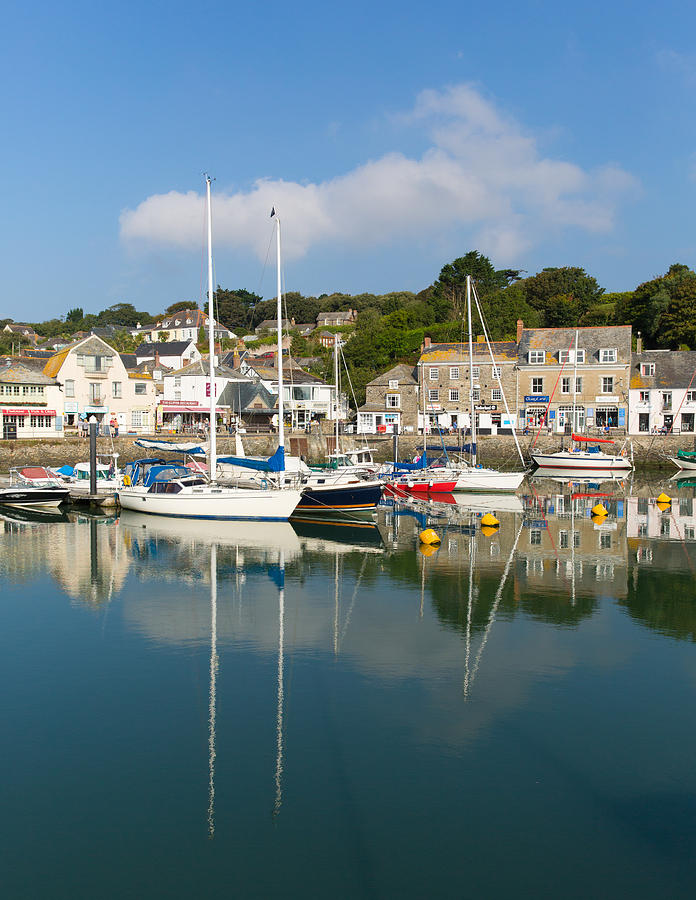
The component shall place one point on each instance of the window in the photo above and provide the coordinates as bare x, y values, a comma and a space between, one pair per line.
535, 537
393, 401
647, 368
177, 381
578, 385
476, 395
454, 373
496, 394
138, 418
608, 355
433, 374
565, 385
40, 421
434, 395
69, 387
604, 540
567, 356
666, 399
537, 357
116, 389
537, 385
607, 385
393, 384
454, 396
476, 371
644, 396
140, 387
690, 397
563, 540
496, 372
95, 393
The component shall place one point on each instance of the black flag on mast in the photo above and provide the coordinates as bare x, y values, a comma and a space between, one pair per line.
273, 212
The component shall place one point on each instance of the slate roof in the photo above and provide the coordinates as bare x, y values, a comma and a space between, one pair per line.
290, 375
591, 340
673, 369
19, 373
459, 352
201, 367
164, 348
129, 360
91, 344
406, 375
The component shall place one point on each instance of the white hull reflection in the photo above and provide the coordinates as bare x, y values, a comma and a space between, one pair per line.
480, 502
567, 476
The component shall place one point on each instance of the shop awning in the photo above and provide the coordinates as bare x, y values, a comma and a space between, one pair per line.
36, 411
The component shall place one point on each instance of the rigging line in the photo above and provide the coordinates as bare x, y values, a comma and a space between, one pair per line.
352, 601
497, 369
494, 608
546, 411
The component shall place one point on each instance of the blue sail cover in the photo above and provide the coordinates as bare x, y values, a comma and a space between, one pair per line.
192, 448
275, 463
422, 463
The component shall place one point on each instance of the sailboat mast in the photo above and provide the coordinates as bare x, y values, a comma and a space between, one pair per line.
279, 316
575, 383
211, 337
336, 383
471, 372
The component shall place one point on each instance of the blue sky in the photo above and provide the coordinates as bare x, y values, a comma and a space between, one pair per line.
391, 137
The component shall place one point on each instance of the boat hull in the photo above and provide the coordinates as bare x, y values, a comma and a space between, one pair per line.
28, 496
597, 462
685, 464
486, 481
352, 497
225, 503
423, 486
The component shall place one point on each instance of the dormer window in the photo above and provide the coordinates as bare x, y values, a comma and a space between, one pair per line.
608, 355
647, 369
568, 356
189, 321
537, 357
393, 384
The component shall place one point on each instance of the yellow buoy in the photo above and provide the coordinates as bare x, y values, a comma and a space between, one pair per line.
489, 530
599, 510
663, 498
490, 520
429, 537
429, 549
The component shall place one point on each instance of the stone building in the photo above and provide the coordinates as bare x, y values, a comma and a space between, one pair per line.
444, 374
662, 392
547, 368
391, 403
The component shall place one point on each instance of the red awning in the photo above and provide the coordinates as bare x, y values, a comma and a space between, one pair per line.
37, 411
591, 440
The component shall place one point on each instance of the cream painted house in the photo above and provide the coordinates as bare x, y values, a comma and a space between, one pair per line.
96, 383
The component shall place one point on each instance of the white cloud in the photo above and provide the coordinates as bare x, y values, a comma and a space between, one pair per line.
482, 174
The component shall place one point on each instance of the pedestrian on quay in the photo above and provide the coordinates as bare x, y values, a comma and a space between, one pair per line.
114, 426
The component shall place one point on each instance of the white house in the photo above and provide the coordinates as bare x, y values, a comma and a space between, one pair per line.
305, 396
662, 392
185, 402
30, 401
171, 354
96, 383
182, 326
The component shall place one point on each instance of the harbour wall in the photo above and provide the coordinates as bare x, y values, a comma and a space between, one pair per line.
650, 451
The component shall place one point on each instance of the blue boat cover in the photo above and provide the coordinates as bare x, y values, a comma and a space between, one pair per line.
165, 473
66, 470
275, 463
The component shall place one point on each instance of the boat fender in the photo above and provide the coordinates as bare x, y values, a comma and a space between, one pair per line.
126, 481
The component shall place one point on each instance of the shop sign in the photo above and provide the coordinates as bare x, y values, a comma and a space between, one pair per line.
34, 411
96, 409
536, 398
70, 407
490, 407
606, 398
180, 403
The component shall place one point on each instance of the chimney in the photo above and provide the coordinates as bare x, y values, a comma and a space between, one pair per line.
520, 326
427, 342
157, 362
235, 359
639, 343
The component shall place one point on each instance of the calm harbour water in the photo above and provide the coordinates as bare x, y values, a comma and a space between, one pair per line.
208, 709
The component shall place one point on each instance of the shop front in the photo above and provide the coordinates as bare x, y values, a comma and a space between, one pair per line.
188, 417
29, 422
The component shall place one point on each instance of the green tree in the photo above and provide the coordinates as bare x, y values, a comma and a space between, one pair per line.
75, 315
163, 337
561, 295
664, 309
181, 305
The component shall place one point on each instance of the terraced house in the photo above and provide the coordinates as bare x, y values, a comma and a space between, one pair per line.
445, 379
662, 395
30, 401
596, 384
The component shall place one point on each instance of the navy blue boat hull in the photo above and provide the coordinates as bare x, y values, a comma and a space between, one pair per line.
349, 497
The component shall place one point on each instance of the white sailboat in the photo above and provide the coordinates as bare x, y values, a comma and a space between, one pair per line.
169, 491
